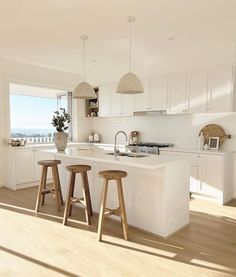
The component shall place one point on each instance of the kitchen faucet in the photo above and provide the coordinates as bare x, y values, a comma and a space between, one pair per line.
116, 151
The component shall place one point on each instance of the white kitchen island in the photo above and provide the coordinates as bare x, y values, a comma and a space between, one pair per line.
156, 190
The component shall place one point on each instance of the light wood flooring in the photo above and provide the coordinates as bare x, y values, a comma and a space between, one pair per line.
41, 246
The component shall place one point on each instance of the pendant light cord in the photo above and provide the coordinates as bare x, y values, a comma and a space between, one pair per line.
130, 45
84, 58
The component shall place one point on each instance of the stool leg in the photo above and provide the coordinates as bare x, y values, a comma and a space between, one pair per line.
102, 209
72, 194
87, 191
122, 208
69, 195
56, 187
44, 187
41, 186
86, 198
59, 184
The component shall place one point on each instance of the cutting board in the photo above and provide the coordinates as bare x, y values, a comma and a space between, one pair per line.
214, 130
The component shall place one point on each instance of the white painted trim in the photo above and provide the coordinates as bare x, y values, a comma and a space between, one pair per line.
27, 185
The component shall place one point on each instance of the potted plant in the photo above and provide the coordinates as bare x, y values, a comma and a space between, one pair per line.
60, 121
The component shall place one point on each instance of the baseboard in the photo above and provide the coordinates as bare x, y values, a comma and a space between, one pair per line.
28, 185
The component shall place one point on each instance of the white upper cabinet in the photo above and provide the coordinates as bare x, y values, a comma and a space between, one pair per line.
114, 104
105, 97
128, 105
197, 90
142, 100
220, 90
177, 93
158, 93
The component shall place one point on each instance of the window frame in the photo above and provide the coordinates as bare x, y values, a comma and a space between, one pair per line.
68, 95
6, 86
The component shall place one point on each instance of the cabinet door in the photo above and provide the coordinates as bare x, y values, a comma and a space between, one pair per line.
193, 160
128, 105
197, 90
210, 174
177, 91
158, 93
24, 165
116, 102
142, 100
220, 89
105, 94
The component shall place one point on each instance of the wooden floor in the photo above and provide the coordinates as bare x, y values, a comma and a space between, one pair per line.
41, 246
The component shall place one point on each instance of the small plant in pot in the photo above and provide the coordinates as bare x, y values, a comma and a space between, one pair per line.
60, 121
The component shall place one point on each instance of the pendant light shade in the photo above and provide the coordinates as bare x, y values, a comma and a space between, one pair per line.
130, 83
84, 90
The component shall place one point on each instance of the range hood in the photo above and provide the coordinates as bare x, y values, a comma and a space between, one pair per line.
150, 113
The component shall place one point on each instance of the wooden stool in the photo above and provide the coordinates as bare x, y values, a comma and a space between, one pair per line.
71, 200
56, 190
112, 175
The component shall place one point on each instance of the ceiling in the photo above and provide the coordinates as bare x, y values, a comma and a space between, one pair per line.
26, 90
47, 33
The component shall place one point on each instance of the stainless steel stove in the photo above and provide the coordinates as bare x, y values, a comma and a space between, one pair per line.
148, 147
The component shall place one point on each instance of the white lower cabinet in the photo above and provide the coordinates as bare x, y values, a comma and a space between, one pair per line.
21, 168
208, 174
24, 166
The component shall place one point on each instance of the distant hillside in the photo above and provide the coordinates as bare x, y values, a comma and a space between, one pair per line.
24, 132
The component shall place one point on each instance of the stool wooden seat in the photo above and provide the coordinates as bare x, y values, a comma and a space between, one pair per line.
43, 190
71, 200
116, 175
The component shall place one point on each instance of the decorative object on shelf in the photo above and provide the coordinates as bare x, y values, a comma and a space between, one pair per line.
214, 143
206, 147
15, 142
214, 130
60, 121
134, 137
130, 83
201, 141
84, 90
96, 137
91, 137
91, 106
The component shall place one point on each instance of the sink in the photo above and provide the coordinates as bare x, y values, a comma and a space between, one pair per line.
130, 155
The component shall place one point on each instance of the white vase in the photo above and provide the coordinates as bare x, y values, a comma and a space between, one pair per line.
61, 140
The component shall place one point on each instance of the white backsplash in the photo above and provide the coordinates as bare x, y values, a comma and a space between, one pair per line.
182, 130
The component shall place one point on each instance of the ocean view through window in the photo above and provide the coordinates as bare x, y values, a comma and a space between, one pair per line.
32, 109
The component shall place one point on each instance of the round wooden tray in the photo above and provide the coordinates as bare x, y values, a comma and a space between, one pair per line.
214, 130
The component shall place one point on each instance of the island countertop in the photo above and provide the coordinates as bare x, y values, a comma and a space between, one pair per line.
100, 155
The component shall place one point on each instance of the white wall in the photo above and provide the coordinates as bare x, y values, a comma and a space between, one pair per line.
39, 76
182, 130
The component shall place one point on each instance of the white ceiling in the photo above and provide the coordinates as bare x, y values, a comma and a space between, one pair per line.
19, 89
47, 33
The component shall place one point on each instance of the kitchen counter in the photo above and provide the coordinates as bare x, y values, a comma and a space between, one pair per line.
92, 153
156, 189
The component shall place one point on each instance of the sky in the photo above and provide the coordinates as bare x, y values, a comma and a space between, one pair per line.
32, 112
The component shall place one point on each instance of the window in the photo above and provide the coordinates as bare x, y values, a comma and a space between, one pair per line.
32, 109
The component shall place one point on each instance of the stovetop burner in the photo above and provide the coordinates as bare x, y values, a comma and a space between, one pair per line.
152, 144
